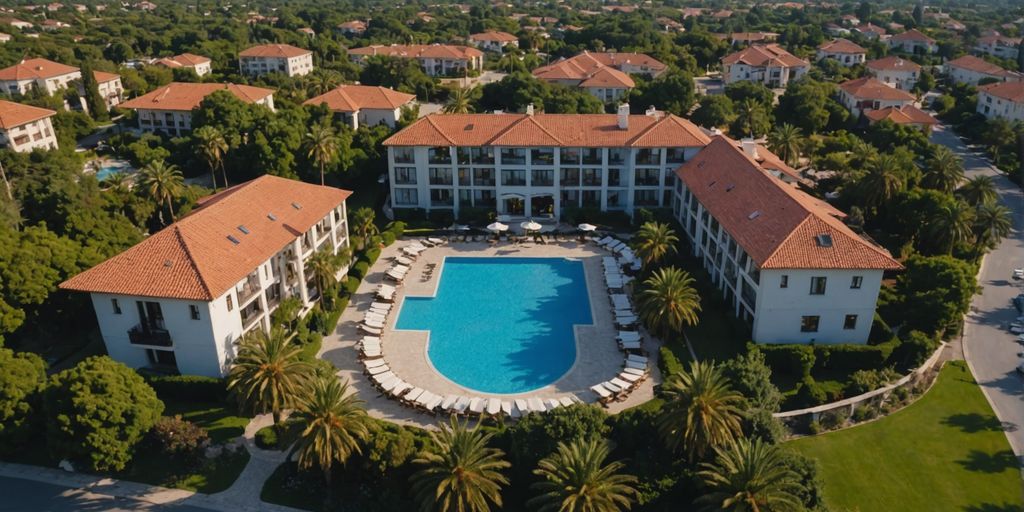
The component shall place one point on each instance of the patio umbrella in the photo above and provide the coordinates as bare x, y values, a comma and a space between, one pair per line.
586, 227
497, 227
530, 226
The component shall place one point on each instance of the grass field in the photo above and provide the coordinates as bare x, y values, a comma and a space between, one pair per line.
945, 452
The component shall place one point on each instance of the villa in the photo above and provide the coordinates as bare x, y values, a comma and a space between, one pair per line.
769, 64
494, 41
364, 105
24, 127
197, 63
44, 74
785, 260
895, 71
169, 108
843, 51
275, 58
907, 115
998, 45
1002, 100
435, 59
109, 87
181, 298
971, 70
604, 75
352, 28
539, 164
864, 94
913, 41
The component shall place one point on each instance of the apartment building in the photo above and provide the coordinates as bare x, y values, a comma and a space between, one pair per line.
604, 75
998, 45
24, 127
1002, 100
768, 64
275, 58
110, 88
181, 299
907, 115
169, 108
913, 41
494, 41
843, 51
48, 76
364, 105
435, 59
895, 71
538, 165
864, 94
201, 65
783, 259
971, 70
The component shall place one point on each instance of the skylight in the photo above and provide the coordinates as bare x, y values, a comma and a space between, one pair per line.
297, 206
755, 214
234, 240
824, 240
243, 229
271, 216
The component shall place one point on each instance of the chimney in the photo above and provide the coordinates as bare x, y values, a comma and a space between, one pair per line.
749, 147
529, 109
651, 111
624, 116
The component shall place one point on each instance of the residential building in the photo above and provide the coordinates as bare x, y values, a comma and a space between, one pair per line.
169, 108
494, 41
16, 23
48, 76
308, 32
364, 105
998, 45
870, 32
769, 64
745, 38
198, 63
352, 28
539, 165
275, 58
835, 30
863, 94
907, 115
895, 71
49, 25
435, 59
782, 259
913, 41
110, 88
24, 127
970, 70
604, 75
181, 299
1003, 100
843, 51
4, 38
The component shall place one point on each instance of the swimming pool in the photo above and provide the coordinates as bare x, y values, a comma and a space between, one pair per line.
502, 325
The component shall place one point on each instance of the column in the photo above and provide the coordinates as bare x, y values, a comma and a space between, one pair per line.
300, 270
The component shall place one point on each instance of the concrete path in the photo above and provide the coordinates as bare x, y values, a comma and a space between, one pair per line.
989, 348
244, 494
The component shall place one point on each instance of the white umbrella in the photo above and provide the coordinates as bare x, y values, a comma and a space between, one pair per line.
586, 227
497, 227
530, 226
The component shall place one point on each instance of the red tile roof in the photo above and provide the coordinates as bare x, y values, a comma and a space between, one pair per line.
351, 98
978, 65
274, 50
104, 77
776, 224
34, 69
584, 67
15, 114
427, 51
869, 88
494, 35
563, 130
193, 259
761, 55
1011, 91
842, 46
912, 35
906, 114
183, 60
187, 96
893, 63
618, 60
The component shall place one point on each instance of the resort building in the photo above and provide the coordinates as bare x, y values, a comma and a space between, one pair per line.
768, 64
494, 41
538, 165
181, 298
364, 105
604, 75
169, 108
863, 94
48, 76
870, 32
1002, 100
435, 59
352, 28
24, 127
110, 88
197, 63
907, 115
783, 259
971, 70
895, 71
843, 51
913, 41
998, 45
275, 58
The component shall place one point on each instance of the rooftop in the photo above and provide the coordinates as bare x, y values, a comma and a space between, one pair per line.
429, 51
893, 63
494, 35
15, 114
906, 114
842, 46
34, 69
188, 96
870, 88
912, 35
350, 98
274, 50
978, 65
764, 55
1011, 91
183, 60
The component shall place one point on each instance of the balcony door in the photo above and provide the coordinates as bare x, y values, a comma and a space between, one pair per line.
151, 317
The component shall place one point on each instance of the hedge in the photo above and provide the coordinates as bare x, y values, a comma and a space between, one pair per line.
387, 238
359, 270
397, 228
880, 331
668, 363
351, 284
796, 360
371, 255
190, 388
800, 360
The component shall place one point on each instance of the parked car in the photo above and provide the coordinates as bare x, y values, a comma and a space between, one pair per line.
1018, 302
1020, 368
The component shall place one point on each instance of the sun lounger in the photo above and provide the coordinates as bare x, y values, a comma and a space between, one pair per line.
461, 404
390, 384
630, 345
400, 388
370, 344
536, 405
371, 353
370, 330
435, 400
377, 370
374, 364
566, 401
425, 399
506, 407
621, 383
552, 404
476, 405
371, 322
628, 336
413, 395
625, 320
522, 405
436, 241
639, 359
393, 276
381, 377
605, 241
448, 401
369, 317
493, 406
629, 377
602, 392
634, 364
625, 312
612, 387
635, 371
402, 260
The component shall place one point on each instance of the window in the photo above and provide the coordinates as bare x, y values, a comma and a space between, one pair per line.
850, 322
784, 282
117, 307
648, 177
513, 178
406, 196
404, 155
483, 177
440, 176
542, 178
439, 155
193, 311
440, 197
570, 177
592, 177
231, 303
513, 156
542, 156
809, 323
856, 282
405, 175
569, 155
818, 285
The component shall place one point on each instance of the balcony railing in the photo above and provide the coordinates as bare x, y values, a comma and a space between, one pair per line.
249, 288
154, 337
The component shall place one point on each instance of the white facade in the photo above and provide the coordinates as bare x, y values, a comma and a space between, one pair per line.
992, 107
177, 122
972, 77
371, 117
846, 59
202, 68
1003, 48
49, 85
903, 80
493, 45
913, 46
32, 135
776, 77
290, 66
112, 91
858, 106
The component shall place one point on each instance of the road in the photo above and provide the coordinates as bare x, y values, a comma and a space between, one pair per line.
28, 495
988, 346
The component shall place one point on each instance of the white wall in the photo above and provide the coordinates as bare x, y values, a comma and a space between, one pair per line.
993, 106
37, 134
903, 80
373, 117
846, 59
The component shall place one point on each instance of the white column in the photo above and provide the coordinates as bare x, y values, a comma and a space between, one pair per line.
300, 270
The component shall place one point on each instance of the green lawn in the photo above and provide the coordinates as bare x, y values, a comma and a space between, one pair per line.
944, 452
220, 420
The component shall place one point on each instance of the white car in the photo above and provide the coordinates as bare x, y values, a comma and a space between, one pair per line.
1017, 329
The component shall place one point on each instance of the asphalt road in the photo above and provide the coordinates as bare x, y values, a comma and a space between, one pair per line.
989, 347
30, 496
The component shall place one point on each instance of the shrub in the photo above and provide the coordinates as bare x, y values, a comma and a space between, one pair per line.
359, 271
266, 438
833, 419
668, 363
537, 435
397, 228
372, 254
351, 284
814, 427
390, 447
862, 381
475, 215
97, 412
849, 358
864, 413
387, 238
880, 331
179, 438
809, 393
914, 350
22, 378
759, 423
188, 388
796, 360
810, 491
752, 377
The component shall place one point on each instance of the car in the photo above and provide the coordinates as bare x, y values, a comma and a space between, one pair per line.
1017, 329
1020, 368
1018, 302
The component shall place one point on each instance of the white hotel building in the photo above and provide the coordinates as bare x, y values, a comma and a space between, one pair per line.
181, 298
537, 165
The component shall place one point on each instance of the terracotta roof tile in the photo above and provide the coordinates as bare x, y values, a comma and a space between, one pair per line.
350, 98
33, 69
193, 259
842, 46
907, 114
184, 60
429, 51
15, 114
912, 35
1012, 91
494, 35
869, 88
598, 69
893, 63
763, 54
187, 96
978, 65
104, 77
274, 50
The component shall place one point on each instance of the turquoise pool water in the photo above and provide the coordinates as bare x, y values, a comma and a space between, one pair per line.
106, 171
502, 325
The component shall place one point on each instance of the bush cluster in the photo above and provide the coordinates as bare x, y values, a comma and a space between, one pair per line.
179, 438
188, 388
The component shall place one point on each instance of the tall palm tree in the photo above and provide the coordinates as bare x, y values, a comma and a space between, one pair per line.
460, 101
576, 479
669, 301
268, 374
460, 473
881, 182
978, 190
701, 411
334, 423
322, 81
749, 476
748, 115
951, 225
212, 146
163, 183
992, 223
943, 171
653, 241
786, 141
324, 265
363, 224
322, 146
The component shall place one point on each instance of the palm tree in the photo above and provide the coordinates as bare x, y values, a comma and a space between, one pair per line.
460, 474
212, 146
999, 133
164, 183
701, 410
653, 241
992, 223
268, 374
749, 476
786, 141
951, 225
322, 145
749, 115
460, 101
881, 182
334, 423
322, 81
324, 266
943, 171
364, 225
576, 479
669, 301
979, 190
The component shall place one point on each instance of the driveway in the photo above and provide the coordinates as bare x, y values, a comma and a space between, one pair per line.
989, 347
21, 495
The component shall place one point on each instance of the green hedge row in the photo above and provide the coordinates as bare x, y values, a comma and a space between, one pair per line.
191, 388
801, 360
358, 272
668, 363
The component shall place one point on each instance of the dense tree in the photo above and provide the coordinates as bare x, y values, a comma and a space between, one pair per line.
701, 412
752, 119
671, 92
808, 105
334, 424
363, 224
978, 190
943, 171
21, 381
881, 181
715, 111
460, 472
94, 101
268, 375
997, 135
514, 92
992, 223
460, 100
751, 376
952, 225
400, 74
786, 141
536, 435
749, 476
163, 183
934, 293
324, 266
668, 301
654, 241
212, 146
744, 90
577, 479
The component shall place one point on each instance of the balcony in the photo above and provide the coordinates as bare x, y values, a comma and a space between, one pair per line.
248, 289
140, 335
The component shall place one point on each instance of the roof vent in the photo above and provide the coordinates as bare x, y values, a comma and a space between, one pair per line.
167, 263
729, 188
824, 240
271, 216
755, 214
297, 206
233, 239
713, 182
243, 229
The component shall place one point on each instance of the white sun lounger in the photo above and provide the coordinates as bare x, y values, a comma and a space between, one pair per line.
461, 404
621, 383
506, 407
566, 401
381, 377
413, 395
630, 345
628, 335
634, 364
436, 241
611, 387
377, 370
522, 405
382, 305
425, 398
536, 405
448, 401
625, 320
435, 400
552, 404
402, 260
374, 316
629, 377
635, 371
366, 345
393, 276
493, 406
601, 391
402, 387
385, 295
639, 359
476, 405
374, 364
371, 353
371, 330
605, 241
411, 253
373, 322
390, 384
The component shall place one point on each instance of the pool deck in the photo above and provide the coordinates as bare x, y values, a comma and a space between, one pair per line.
598, 356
